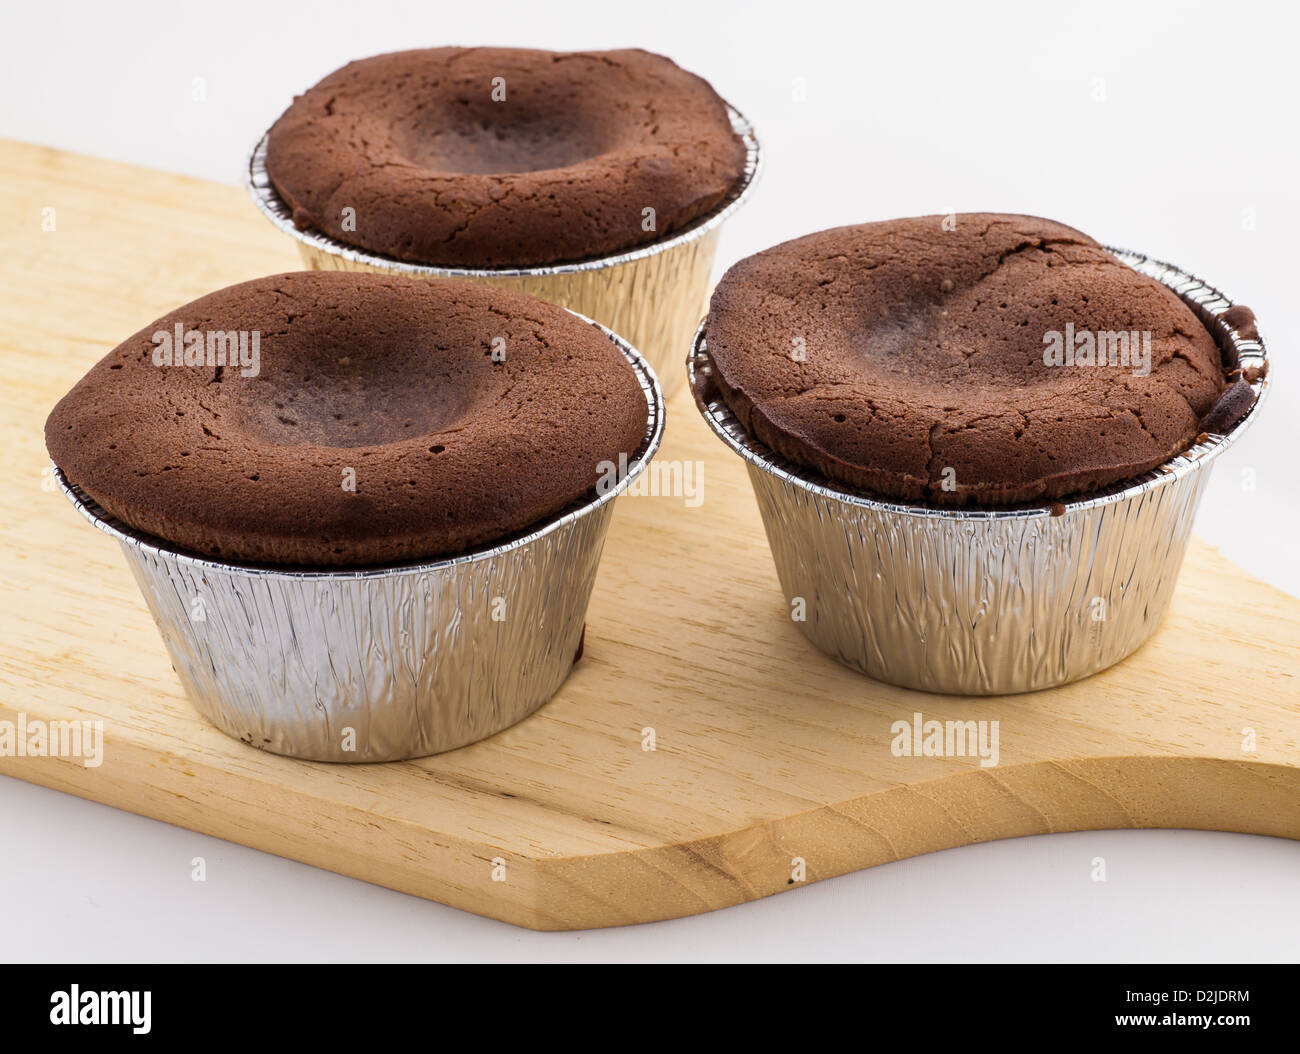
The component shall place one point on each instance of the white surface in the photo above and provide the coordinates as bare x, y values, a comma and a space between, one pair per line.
909, 109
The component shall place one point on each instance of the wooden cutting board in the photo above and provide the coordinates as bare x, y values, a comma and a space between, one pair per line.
767, 753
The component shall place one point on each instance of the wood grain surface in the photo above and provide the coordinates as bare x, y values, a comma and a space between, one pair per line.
766, 752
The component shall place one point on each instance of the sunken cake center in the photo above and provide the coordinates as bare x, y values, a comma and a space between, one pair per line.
354, 409
475, 139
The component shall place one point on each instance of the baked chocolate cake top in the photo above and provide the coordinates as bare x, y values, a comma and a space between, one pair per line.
369, 419
998, 360
504, 157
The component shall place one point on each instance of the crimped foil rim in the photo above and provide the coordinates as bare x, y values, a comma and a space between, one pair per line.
1205, 300
264, 195
156, 546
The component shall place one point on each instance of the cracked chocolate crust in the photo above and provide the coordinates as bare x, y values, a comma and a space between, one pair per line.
907, 360
435, 170
390, 380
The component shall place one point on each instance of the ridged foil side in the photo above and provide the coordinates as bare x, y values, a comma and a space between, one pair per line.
983, 601
412, 664
978, 607
654, 295
388, 663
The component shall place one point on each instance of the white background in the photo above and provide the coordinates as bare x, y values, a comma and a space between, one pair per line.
1169, 128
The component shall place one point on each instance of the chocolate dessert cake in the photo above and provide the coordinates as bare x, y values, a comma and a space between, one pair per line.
504, 157
330, 419
996, 360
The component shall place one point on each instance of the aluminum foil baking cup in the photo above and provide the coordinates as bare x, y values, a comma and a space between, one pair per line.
984, 601
653, 295
387, 663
